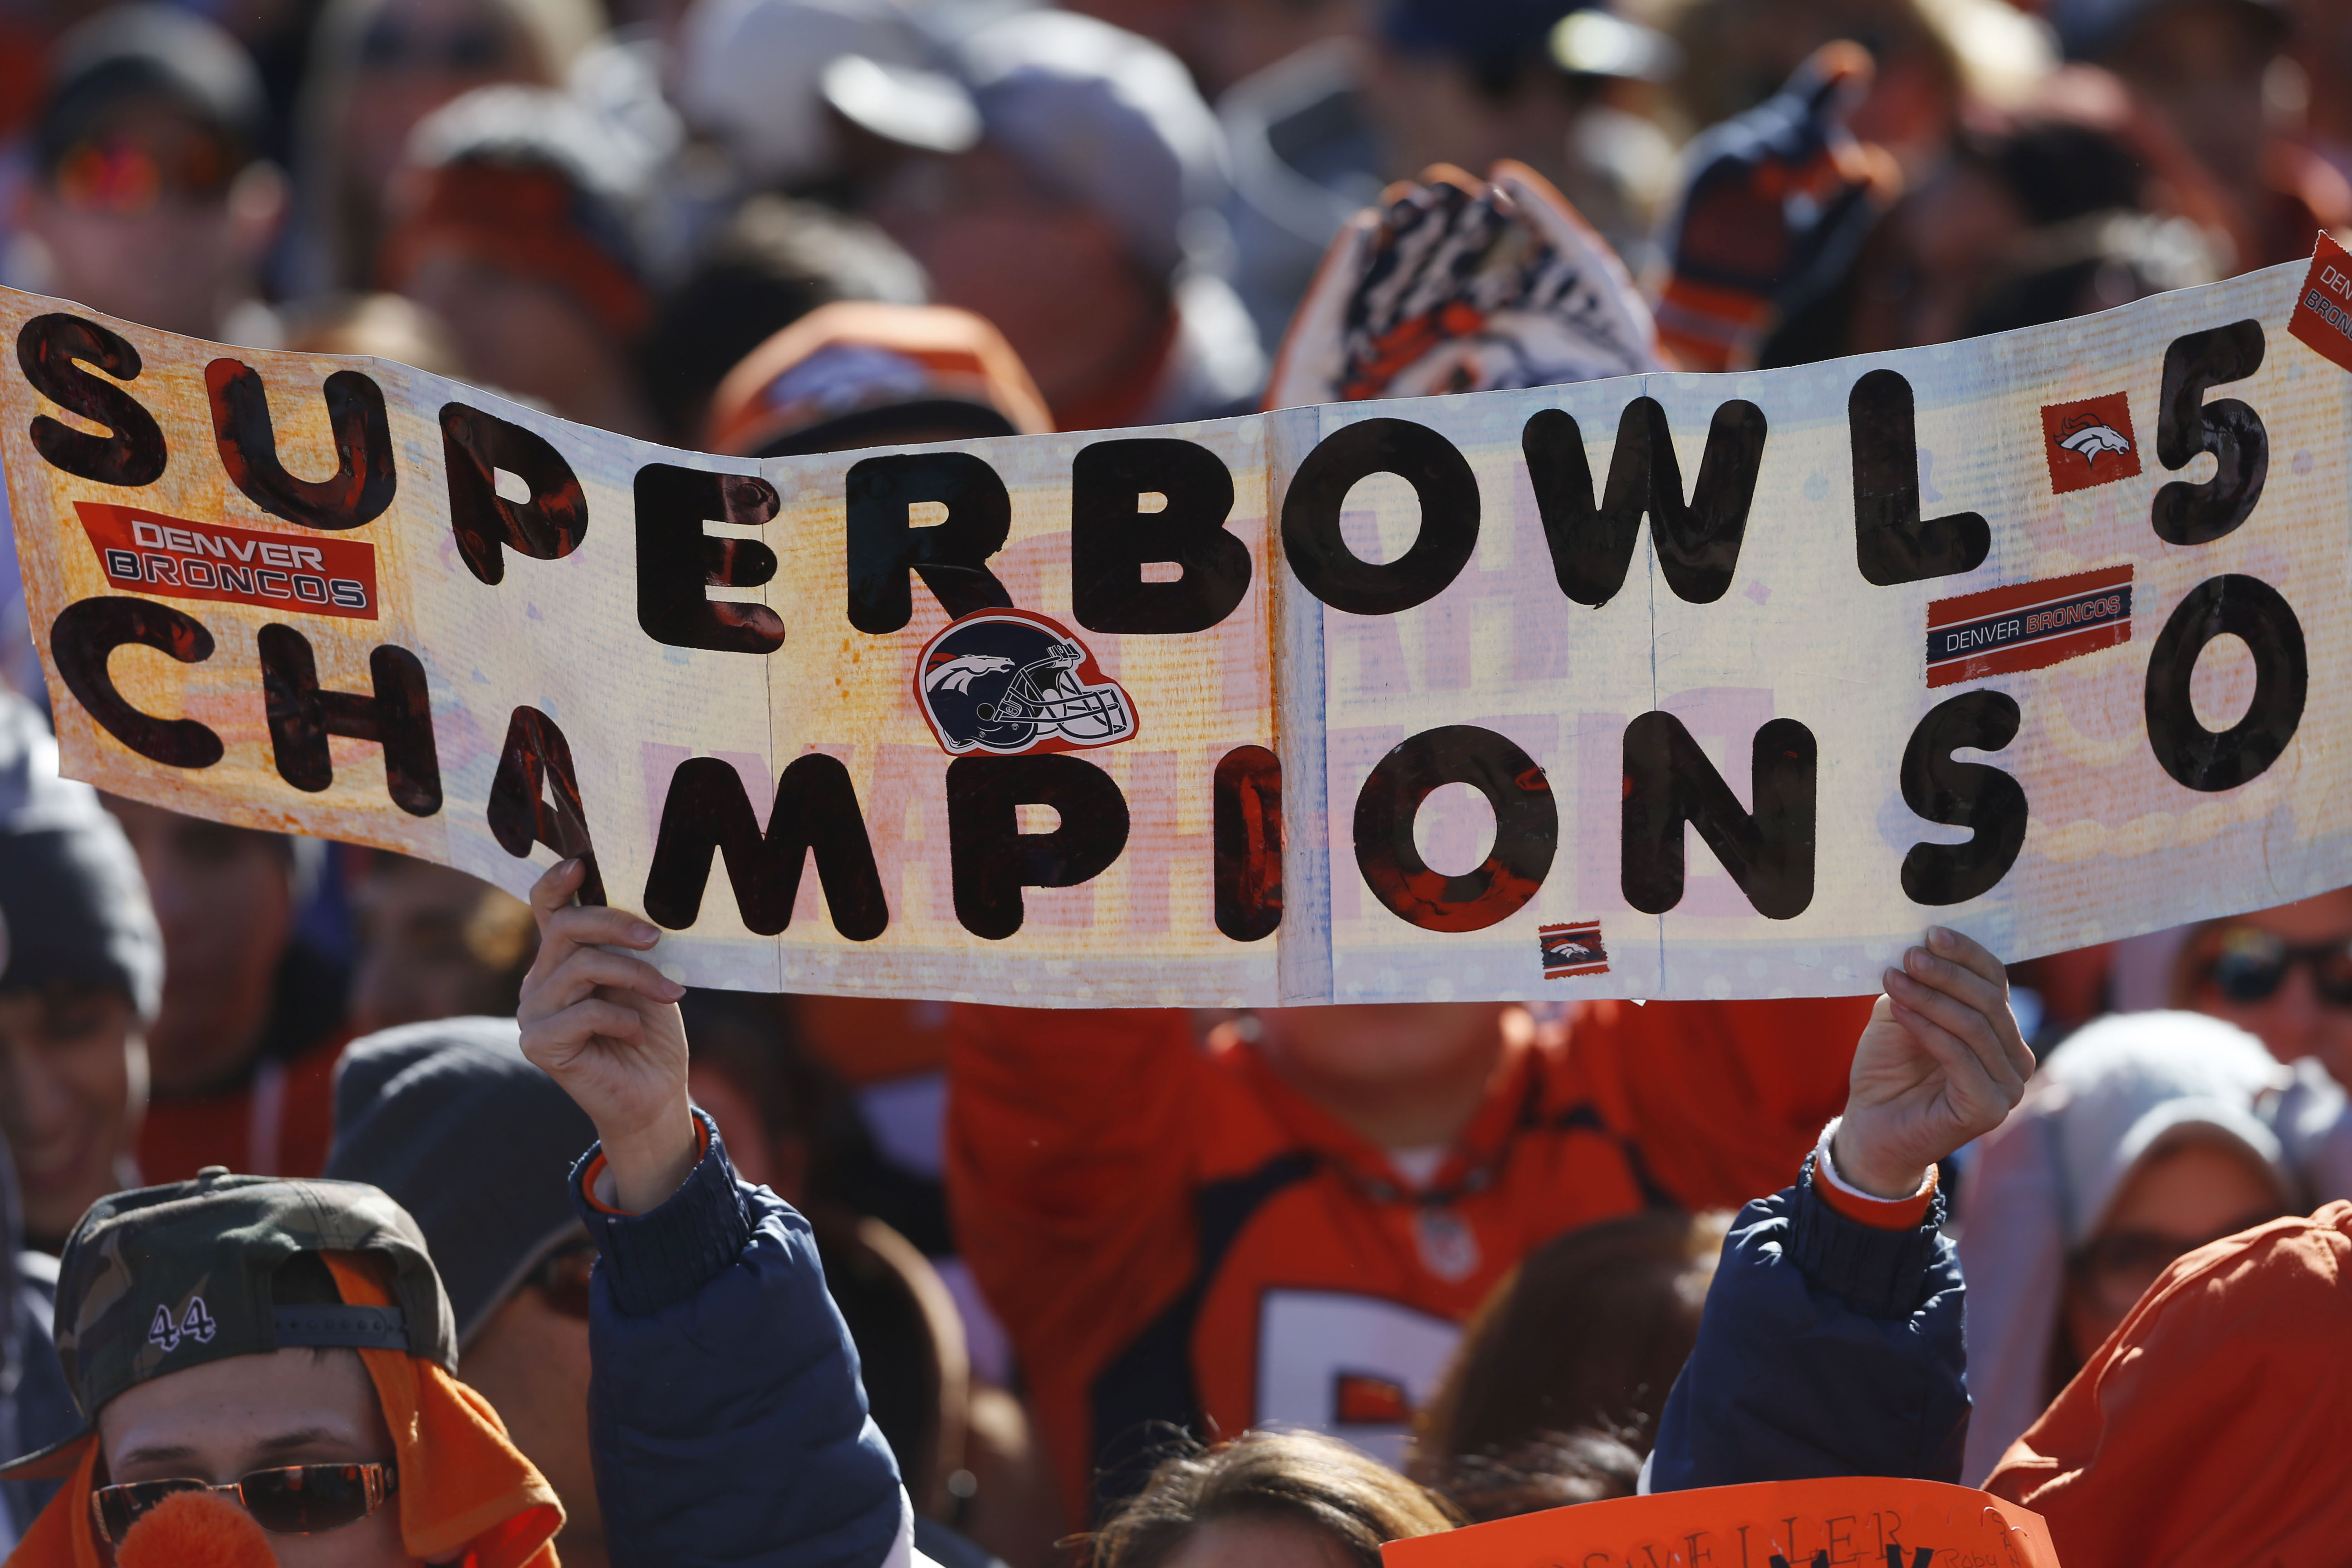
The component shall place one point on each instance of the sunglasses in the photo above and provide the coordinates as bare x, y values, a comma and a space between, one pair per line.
300, 1499
563, 1276
135, 174
2252, 965
2120, 1265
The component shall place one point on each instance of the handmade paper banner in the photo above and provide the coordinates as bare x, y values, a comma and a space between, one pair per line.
1668, 686
1852, 1522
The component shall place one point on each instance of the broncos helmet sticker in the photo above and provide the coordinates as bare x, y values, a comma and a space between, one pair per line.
1009, 682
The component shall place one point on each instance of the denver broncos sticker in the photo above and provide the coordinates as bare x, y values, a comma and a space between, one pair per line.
1572, 950
1010, 682
2089, 442
2028, 625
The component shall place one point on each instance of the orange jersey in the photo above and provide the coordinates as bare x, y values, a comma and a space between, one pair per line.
1173, 1236
277, 1124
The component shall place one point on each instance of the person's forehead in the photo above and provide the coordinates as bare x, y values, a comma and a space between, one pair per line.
244, 1400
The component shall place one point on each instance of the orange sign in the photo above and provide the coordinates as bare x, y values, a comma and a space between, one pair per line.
1849, 1522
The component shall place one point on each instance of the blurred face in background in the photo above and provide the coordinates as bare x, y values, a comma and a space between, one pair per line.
149, 220
2176, 1200
436, 943
411, 57
523, 333
2283, 974
225, 898
1052, 274
73, 1086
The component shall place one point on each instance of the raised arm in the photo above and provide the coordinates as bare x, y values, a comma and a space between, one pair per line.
1831, 1343
729, 1423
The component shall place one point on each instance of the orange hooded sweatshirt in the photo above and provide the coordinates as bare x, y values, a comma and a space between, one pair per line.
2214, 1428
467, 1498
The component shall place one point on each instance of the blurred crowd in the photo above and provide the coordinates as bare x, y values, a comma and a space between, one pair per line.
1361, 1272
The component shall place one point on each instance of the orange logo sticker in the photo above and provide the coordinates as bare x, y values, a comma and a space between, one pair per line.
2089, 443
2323, 316
174, 558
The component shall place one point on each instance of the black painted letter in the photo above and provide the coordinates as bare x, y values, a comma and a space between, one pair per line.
2254, 611
1891, 544
548, 527
991, 859
1669, 782
676, 560
1962, 794
1319, 552
86, 635
951, 557
815, 812
2187, 425
364, 477
398, 717
535, 797
1246, 830
132, 452
1111, 538
1697, 541
1527, 829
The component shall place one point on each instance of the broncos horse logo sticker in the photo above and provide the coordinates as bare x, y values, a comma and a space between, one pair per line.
2090, 438
958, 674
2089, 442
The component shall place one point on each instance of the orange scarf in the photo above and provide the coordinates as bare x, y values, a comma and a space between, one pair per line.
468, 1497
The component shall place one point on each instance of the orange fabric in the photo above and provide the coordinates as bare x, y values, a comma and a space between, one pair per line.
1092, 1157
181, 1137
196, 1530
61, 1536
595, 1170
467, 1498
954, 353
466, 1494
2215, 1426
1880, 1214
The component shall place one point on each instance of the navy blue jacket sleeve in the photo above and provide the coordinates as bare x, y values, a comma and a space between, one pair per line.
727, 1420
1827, 1348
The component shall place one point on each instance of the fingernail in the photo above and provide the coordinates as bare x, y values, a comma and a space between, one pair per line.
1942, 937
563, 868
1889, 980
673, 989
641, 931
1919, 960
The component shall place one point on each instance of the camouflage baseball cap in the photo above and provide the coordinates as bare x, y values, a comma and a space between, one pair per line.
159, 1279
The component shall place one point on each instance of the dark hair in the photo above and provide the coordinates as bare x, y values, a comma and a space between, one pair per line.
1586, 1334
1552, 1469
773, 262
1303, 1478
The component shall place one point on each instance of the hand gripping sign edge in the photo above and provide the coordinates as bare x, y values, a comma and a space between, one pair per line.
1010, 683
